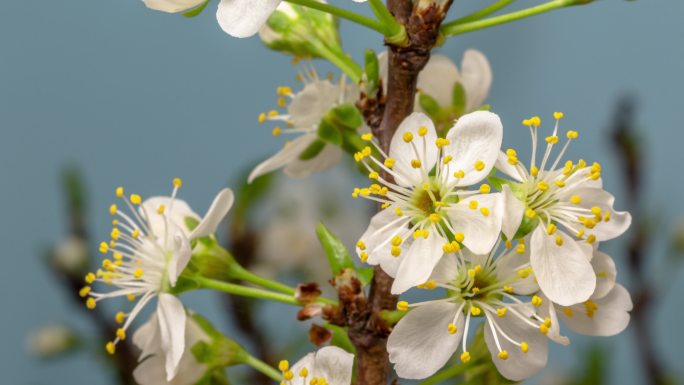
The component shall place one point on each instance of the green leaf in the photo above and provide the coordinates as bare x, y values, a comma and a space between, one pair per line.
372, 73
197, 10
347, 116
338, 256
314, 149
458, 99
365, 275
328, 132
340, 337
429, 105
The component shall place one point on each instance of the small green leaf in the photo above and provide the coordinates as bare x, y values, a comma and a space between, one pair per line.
526, 226
338, 256
347, 116
429, 105
314, 149
340, 338
196, 11
365, 275
372, 73
458, 99
328, 132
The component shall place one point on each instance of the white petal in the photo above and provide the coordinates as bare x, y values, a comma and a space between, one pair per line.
146, 338
513, 213
327, 158
480, 232
475, 137
289, 153
507, 168
377, 238
619, 220
218, 209
404, 153
476, 76
310, 105
507, 267
175, 213
519, 365
420, 343
180, 258
610, 317
548, 309
606, 274
243, 18
333, 364
172, 317
417, 265
446, 270
563, 272
438, 79
172, 6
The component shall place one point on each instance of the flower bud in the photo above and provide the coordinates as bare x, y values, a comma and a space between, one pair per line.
71, 256
51, 341
300, 31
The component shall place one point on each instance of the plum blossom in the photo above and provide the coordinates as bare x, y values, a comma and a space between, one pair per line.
329, 365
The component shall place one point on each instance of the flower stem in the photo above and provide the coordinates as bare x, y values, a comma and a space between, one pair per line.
342, 61
246, 275
231, 288
264, 368
477, 15
447, 373
343, 13
455, 28
394, 31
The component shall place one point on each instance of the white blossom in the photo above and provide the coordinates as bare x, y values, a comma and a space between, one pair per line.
328, 366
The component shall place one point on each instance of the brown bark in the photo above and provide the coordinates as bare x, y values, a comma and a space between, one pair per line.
367, 330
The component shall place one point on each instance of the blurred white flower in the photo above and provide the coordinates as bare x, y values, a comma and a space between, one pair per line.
50, 341
424, 212
71, 255
150, 247
151, 370
566, 209
329, 365
478, 286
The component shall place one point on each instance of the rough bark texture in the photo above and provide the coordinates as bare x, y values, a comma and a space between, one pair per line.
367, 330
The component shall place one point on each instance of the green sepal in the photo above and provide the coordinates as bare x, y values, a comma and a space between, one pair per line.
221, 351
213, 377
196, 11
328, 132
372, 72
346, 116
458, 99
485, 107
429, 105
314, 149
338, 255
526, 226
392, 317
340, 338
365, 275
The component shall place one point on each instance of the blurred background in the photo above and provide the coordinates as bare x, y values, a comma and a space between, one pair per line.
95, 94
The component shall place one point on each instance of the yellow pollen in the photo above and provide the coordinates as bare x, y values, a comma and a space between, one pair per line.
119, 192
473, 204
485, 189
84, 291
606, 217
415, 163
572, 134
283, 365
361, 245
363, 256
552, 139
535, 121
558, 115
138, 273
543, 329
568, 312
542, 186
288, 375
90, 303
121, 334
130, 297
534, 171
508, 289
115, 234
484, 211
465, 357
367, 137
501, 312
575, 199
559, 183
459, 174
536, 300
398, 211
276, 131
452, 329
475, 290
503, 355
422, 130
112, 210
559, 240
430, 285
104, 248
520, 248
524, 347
402, 306
524, 273
479, 165
591, 239
434, 218
508, 244
475, 311
408, 137
551, 229
547, 322
596, 210
262, 117
136, 199
281, 102
459, 237
441, 142
447, 159
110, 347
530, 213
115, 222
90, 278
304, 372
373, 175
396, 251
389, 163
135, 234
119, 317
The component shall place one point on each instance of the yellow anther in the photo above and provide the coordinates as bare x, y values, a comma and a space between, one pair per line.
589, 223
606, 217
508, 244
136, 199
281, 102
524, 347
398, 211
536, 300
475, 290
535, 121
508, 289
430, 285
542, 186
361, 245
135, 234
596, 210
119, 192
408, 137
441, 142
434, 218
526, 122
121, 334
475, 311
581, 163
575, 199
501, 312
112, 210
402, 306
530, 213
484, 211
591, 239
104, 247
272, 113
90, 303
479, 165
559, 183
288, 375
415, 163
459, 174
447, 159
115, 222
385, 205
524, 273
485, 189
262, 117
422, 131
276, 131
110, 347
503, 355
534, 171
511, 152
452, 329
90, 278
396, 251
365, 192
304, 372
363, 256
568, 312
543, 329
465, 357
389, 163
551, 229
558, 115
283, 365
547, 322
552, 139
120, 317
115, 234
473, 204
572, 134
459, 237
84, 291
138, 273
367, 137
130, 297
559, 240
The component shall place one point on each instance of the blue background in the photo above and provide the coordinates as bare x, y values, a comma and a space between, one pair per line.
136, 97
